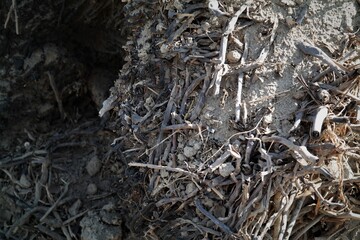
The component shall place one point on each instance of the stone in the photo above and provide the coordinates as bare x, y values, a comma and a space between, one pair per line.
91, 189
225, 169
93, 166
233, 56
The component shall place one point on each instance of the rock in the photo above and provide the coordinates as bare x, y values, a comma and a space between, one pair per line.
190, 188
24, 181
91, 189
233, 56
74, 208
189, 151
225, 169
93, 166
93, 228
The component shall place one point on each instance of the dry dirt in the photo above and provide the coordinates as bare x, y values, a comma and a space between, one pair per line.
64, 170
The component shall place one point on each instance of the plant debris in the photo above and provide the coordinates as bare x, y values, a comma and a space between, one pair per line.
225, 122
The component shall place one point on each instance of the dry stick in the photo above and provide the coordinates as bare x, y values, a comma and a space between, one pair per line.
56, 203
183, 126
228, 140
310, 225
13, 7
241, 78
302, 150
220, 161
266, 206
22, 220
352, 54
335, 89
57, 96
309, 49
188, 91
283, 226
63, 228
158, 167
223, 47
16, 17
165, 121
201, 99
273, 218
260, 61
49, 232
74, 218
294, 218
221, 225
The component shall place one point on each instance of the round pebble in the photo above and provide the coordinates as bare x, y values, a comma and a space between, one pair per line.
233, 56
93, 166
91, 189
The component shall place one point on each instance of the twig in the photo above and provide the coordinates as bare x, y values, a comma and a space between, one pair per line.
56, 203
309, 49
216, 221
223, 48
188, 91
302, 150
159, 167
283, 226
57, 96
165, 121
184, 126
227, 141
13, 8
310, 225
220, 161
294, 217
201, 98
74, 217
49, 232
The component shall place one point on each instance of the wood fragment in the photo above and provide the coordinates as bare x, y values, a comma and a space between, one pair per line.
310, 49
219, 71
217, 222
57, 95
309, 225
321, 114
56, 203
166, 168
302, 150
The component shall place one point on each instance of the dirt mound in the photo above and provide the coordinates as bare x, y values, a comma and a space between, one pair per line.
228, 119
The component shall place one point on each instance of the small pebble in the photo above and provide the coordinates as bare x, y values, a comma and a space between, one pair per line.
91, 189
93, 166
233, 56
24, 181
225, 169
74, 208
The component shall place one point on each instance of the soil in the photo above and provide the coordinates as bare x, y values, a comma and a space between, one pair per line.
65, 172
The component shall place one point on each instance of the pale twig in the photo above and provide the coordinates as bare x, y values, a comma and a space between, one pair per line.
13, 8
321, 114
220, 161
294, 217
285, 216
166, 168
223, 48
